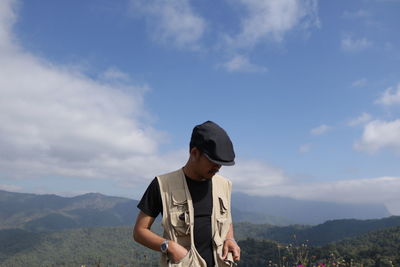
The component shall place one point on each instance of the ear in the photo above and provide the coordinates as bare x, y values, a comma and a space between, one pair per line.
195, 153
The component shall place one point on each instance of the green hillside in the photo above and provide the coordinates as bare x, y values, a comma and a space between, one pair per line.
378, 248
112, 246
318, 235
92, 229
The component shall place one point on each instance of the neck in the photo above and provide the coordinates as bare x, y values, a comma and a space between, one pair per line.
188, 170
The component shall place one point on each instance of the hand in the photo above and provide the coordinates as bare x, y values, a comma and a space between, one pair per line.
231, 246
176, 252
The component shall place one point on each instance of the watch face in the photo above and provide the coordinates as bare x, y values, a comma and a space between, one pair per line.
164, 247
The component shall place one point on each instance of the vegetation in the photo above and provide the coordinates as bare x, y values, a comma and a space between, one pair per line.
113, 246
88, 246
379, 248
318, 235
90, 230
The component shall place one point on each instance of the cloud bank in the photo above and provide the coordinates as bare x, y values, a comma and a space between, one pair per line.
271, 20
171, 21
320, 129
390, 97
260, 178
379, 135
363, 118
242, 64
57, 122
350, 44
176, 22
382, 134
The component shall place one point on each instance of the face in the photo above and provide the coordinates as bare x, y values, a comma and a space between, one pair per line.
205, 169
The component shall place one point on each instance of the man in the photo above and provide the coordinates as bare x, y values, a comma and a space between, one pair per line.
195, 204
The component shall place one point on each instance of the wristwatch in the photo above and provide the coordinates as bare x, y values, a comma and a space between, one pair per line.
164, 246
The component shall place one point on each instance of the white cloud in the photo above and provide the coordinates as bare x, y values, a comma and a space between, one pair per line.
360, 83
363, 118
372, 190
11, 188
253, 177
57, 122
171, 21
305, 148
114, 74
320, 129
242, 64
7, 19
271, 20
379, 135
390, 97
259, 178
354, 45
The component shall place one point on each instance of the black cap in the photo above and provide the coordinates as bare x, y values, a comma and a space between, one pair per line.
214, 142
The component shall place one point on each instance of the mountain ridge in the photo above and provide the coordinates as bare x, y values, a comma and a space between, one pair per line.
53, 212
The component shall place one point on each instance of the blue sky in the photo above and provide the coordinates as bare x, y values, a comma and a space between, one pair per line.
101, 96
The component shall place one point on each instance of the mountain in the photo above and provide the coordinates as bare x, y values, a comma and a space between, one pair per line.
239, 215
318, 235
306, 211
51, 212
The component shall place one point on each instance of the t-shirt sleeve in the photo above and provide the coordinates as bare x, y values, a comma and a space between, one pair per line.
151, 202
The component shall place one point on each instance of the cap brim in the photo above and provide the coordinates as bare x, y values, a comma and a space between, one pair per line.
219, 162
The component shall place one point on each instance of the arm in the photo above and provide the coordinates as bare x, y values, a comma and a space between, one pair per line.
230, 245
143, 235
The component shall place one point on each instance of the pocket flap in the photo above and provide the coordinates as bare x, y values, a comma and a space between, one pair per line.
223, 205
179, 197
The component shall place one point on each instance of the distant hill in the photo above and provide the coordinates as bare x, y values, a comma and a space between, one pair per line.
260, 217
306, 211
51, 212
318, 235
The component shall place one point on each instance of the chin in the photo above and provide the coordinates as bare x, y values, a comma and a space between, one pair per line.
210, 176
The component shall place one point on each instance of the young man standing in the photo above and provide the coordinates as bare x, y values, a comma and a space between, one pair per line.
195, 204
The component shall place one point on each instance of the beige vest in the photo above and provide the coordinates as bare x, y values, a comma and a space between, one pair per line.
178, 218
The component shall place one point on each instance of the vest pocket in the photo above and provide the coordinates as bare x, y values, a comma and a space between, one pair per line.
180, 223
223, 223
179, 213
219, 243
184, 261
